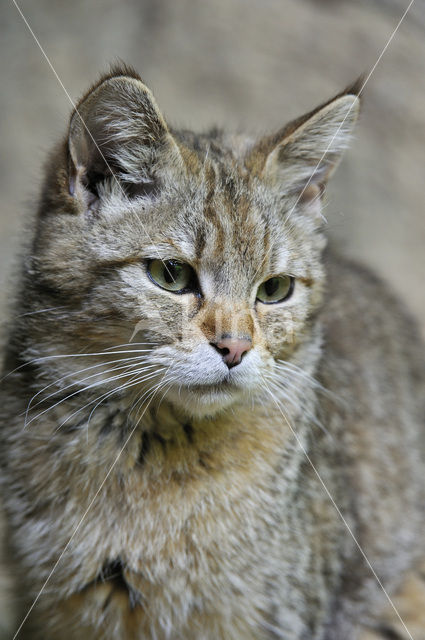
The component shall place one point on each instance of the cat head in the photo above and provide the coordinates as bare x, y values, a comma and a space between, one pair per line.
206, 249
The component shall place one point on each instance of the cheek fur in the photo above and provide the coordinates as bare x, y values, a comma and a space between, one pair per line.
283, 324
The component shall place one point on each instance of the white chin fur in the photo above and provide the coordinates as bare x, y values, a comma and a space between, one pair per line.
202, 403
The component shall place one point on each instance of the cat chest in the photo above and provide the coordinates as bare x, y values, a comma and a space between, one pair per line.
188, 551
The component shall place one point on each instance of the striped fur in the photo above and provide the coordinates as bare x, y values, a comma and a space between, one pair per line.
180, 490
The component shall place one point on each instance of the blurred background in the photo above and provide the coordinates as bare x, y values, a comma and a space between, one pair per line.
246, 64
250, 64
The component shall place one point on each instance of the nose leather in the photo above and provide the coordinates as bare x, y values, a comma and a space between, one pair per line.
232, 349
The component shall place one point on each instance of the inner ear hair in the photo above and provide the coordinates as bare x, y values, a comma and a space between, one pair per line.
118, 132
310, 193
306, 151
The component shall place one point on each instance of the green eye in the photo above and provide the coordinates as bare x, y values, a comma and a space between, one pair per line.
275, 289
172, 275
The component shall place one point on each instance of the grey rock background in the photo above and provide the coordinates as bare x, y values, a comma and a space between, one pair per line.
250, 64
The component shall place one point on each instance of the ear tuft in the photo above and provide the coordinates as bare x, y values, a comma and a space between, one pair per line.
118, 69
355, 88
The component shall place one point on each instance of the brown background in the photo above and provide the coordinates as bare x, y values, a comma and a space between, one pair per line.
249, 64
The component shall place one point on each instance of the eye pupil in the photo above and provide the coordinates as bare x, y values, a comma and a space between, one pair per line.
171, 272
173, 275
271, 286
275, 289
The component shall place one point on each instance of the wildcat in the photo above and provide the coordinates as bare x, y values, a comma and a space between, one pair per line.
211, 422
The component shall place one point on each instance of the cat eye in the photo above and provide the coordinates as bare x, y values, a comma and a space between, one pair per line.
276, 289
172, 275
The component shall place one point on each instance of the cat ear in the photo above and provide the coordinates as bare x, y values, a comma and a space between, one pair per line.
301, 157
118, 131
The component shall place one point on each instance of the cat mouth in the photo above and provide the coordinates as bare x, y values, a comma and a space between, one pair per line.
201, 400
216, 387
208, 391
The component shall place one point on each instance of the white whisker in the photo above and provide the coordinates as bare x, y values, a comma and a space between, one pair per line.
162, 381
125, 386
138, 360
281, 386
33, 313
66, 355
85, 389
130, 383
296, 370
130, 344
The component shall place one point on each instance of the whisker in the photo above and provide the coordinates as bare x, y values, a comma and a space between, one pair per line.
166, 388
296, 370
153, 391
130, 344
76, 373
87, 388
33, 313
131, 383
276, 384
65, 355
283, 364
140, 400
103, 396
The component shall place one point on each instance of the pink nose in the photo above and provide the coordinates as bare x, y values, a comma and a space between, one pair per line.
232, 349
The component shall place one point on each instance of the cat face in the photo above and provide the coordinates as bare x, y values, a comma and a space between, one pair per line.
205, 249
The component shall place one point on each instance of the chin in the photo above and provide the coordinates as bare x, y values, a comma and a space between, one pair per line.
202, 401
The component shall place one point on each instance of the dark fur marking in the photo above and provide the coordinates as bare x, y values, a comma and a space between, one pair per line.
108, 425
209, 212
188, 430
72, 428
47, 402
308, 282
160, 439
113, 572
200, 243
104, 267
144, 449
47, 290
28, 371
203, 461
